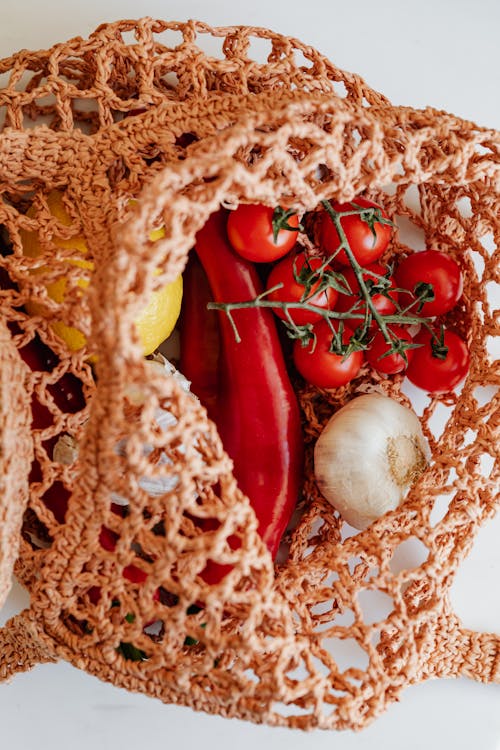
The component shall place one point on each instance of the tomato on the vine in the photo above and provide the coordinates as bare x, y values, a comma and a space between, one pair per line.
389, 364
322, 367
290, 272
439, 369
384, 300
260, 233
56, 499
435, 268
367, 234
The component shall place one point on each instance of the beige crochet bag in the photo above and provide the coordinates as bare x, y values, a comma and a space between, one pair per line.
295, 645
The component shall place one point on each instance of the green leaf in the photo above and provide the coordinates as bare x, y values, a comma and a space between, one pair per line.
334, 280
424, 292
280, 221
439, 349
303, 333
372, 216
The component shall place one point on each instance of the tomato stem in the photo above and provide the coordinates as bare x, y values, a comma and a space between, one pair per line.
335, 216
438, 347
280, 221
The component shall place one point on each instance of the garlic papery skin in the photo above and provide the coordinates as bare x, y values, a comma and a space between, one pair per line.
370, 453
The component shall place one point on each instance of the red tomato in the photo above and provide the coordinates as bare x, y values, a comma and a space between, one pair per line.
431, 267
389, 364
292, 290
321, 367
251, 233
367, 239
435, 375
383, 304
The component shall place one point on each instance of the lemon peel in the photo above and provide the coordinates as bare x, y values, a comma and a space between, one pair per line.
154, 324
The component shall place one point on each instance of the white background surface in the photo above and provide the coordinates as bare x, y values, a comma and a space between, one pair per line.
440, 53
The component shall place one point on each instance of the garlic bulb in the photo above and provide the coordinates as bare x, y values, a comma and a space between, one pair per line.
368, 456
65, 450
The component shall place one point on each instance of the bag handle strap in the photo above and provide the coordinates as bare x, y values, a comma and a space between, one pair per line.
21, 646
480, 654
468, 653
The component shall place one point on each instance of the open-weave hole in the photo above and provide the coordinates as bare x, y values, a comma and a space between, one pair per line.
235, 655
15, 456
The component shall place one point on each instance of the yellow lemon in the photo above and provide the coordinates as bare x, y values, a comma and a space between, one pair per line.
156, 321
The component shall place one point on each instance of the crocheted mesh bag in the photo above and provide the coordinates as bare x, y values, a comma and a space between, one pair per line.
294, 645
99, 87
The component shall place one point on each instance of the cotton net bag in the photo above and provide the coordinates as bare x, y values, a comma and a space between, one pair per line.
263, 643
86, 96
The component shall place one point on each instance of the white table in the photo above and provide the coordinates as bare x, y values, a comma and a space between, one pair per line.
443, 53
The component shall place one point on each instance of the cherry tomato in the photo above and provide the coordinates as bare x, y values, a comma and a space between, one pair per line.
321, 367
251, 233
284, 272
368, 239
431, 267
385, 305
389, 364
435, 375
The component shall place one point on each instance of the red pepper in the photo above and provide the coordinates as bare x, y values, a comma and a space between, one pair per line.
56, 499
257, 412
199, 337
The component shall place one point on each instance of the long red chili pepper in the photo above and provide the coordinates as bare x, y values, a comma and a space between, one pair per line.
257, 416
199, 337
